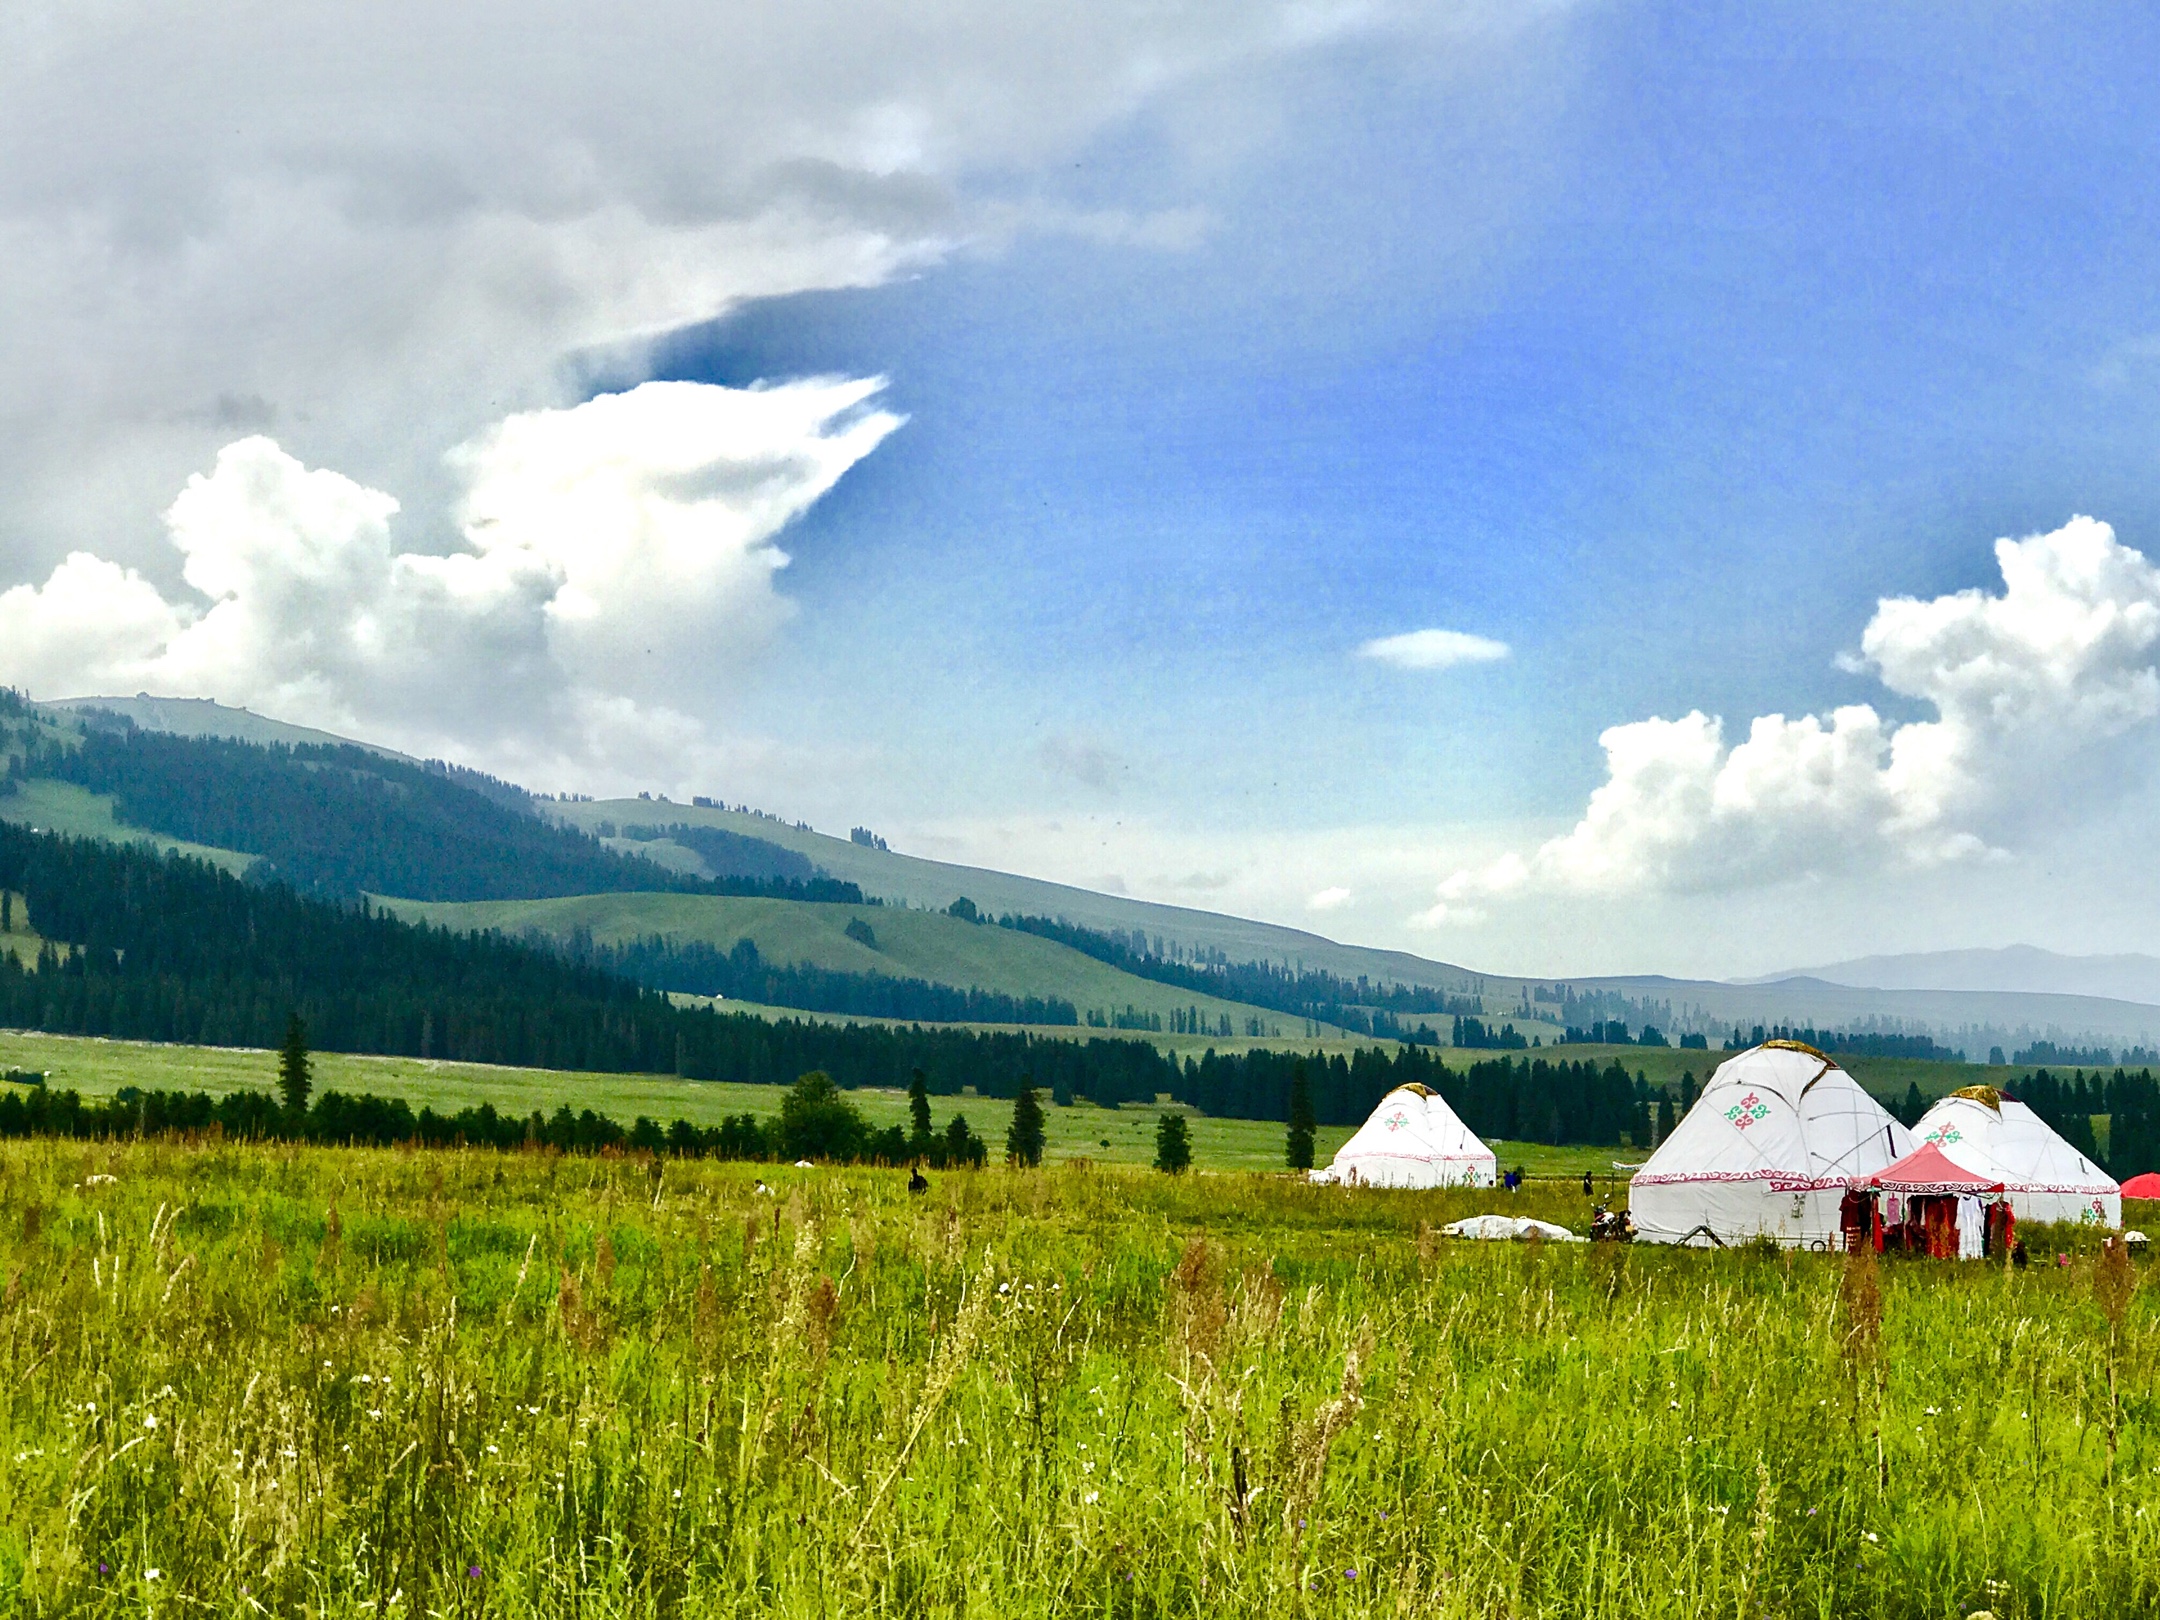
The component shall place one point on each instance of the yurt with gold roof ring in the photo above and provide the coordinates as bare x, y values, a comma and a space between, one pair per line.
1767, 1151
1413, 1139
1994, 1135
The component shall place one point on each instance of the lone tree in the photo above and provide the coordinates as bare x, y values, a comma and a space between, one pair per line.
918, 1106
1298, 1146
816, 1122
295, 1075
1173, 1144
1024, 1137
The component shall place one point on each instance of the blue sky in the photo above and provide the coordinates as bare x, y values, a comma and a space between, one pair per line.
1660, 344
1740, 323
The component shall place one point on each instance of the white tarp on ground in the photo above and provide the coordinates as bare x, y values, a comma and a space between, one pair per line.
1412, 1140
1981, 1130
1504, 1228
1766, 1151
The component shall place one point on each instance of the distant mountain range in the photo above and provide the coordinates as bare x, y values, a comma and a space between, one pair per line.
444, 834
2021, 968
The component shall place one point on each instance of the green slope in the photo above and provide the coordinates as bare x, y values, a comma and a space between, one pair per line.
936, 884
910, 945
200, 717
62, 807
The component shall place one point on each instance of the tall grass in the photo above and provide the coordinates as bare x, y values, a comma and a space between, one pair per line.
325, 1382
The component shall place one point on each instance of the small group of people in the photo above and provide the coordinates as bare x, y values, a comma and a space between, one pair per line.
1941, 1226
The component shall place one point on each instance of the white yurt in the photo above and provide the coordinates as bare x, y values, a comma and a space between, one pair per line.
1766, 1151
1981, 1130
1412, 1140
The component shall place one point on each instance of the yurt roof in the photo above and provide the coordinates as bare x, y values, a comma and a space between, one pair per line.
1995, 1135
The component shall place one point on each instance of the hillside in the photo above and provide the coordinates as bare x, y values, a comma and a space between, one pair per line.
934, 885
907, 944
630, 840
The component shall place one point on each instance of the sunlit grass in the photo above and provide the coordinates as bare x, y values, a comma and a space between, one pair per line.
296, 1380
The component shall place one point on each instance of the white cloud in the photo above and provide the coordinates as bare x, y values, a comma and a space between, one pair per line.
373, 230
2061, 661
1434, 649
1328, 899
619, 560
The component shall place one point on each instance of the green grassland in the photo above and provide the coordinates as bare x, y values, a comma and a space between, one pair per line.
936, 884
910, 945
336, 1383
62, 807
98, 1068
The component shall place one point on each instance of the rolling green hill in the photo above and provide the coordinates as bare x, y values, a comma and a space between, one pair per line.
909, 944
62, 807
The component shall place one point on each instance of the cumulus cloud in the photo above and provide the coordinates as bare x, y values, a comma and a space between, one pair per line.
2022, 681
1328, 899
618, 557
1434, 649
374, 230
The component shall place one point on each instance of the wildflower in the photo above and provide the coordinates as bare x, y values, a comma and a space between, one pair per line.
374, 1412
1871, 1535
149, 1420
472, 1572
1349, 1574
1091, 1498
496, 1451
152, 1574
103, 1568
1004, 1288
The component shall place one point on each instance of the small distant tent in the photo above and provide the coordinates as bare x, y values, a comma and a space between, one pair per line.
2145, 1186
1998, 1137
1768, 1150
1412, 1140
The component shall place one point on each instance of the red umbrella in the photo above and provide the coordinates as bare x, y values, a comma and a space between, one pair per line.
2145, 1186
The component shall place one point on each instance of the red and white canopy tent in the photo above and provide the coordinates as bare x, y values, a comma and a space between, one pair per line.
1928, 1172
1938, 1205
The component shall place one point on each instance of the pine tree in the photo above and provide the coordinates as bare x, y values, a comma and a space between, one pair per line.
7, 913
918, 1102
1914, 1106
1298, 1146
1024, 1137
295, 1077
1173, 1144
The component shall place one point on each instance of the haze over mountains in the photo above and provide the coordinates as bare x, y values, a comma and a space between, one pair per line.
686, 860
2025, 968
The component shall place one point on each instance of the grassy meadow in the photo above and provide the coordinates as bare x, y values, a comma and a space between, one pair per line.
308, 1381
98, 1068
